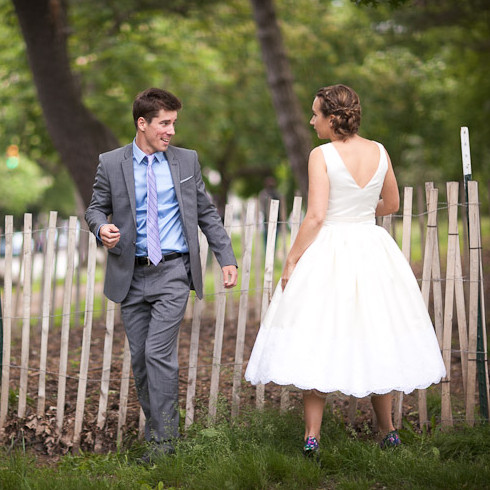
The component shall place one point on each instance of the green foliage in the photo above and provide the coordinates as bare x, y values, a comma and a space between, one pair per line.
24, 189
60, 196
21, 188
421, 69
220, 79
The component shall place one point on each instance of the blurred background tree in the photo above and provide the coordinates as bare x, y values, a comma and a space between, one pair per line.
421, 69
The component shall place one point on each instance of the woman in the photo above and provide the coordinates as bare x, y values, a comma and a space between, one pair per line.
348, 314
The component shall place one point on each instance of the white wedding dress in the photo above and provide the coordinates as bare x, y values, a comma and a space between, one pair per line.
352, 318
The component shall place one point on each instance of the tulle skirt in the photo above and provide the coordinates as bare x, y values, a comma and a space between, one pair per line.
351, 319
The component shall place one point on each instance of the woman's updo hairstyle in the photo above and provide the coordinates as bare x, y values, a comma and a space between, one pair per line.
344, 105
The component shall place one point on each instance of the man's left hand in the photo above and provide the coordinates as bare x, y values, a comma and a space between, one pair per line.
230, 276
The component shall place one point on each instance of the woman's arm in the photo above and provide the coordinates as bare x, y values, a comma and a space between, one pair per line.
318, 191
390, 197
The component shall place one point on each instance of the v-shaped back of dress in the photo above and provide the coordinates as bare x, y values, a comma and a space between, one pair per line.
347, 201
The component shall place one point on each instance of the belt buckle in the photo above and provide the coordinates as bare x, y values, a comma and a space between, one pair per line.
148, 261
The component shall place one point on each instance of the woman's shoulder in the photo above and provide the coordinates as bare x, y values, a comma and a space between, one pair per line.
321, 150
377, 143
325, 147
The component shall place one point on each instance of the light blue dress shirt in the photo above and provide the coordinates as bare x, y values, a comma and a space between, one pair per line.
169, 222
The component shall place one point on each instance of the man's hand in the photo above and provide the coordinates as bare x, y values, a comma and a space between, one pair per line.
230, 276
109, 234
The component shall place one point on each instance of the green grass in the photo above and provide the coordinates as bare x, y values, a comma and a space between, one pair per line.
262, 450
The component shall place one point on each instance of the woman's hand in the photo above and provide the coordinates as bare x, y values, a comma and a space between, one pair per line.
286, 273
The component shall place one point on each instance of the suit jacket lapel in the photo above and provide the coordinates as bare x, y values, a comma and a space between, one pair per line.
175, 172
128, 172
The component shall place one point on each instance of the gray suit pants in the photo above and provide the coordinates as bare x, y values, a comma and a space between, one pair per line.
152, 312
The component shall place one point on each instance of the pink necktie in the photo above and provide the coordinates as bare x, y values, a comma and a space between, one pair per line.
152, 230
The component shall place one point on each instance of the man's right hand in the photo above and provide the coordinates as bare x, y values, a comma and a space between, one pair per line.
109, 235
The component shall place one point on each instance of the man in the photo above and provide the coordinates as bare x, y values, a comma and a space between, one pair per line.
153, 259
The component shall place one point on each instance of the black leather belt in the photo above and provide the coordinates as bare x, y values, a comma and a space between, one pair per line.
165, 258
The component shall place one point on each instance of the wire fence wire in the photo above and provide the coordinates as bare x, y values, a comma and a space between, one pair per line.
39, 235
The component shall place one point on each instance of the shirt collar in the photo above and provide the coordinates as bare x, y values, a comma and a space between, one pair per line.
139, 154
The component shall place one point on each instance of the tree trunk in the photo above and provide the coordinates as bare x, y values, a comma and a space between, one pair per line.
77, 135
292, 122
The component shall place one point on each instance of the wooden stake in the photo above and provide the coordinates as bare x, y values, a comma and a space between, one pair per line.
436, 281
268, 280
124, 390
46, 310
26, 314
243, 308
7, 319
106, 373
430, 245
406, 249
453, 240
218, 334
194, 341
87, 336
295, 224
476, 307
65, 324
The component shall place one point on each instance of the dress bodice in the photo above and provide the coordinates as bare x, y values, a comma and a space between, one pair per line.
347, 201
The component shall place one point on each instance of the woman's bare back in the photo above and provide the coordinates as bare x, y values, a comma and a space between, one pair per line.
360, 157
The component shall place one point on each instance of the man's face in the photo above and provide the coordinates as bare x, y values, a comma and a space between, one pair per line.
156, 135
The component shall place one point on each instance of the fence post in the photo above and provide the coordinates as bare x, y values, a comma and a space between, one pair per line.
26, 315
7, 316
482, 366
123, 391
87, 335
428, 267
295, 223
1, 336
477, 349
218, 334
268, 279
65, 324
106, 374
452, 248
406, 249
243, 307
436, 279
194, 341
46, 310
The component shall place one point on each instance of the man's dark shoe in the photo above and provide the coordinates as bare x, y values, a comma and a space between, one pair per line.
155, 452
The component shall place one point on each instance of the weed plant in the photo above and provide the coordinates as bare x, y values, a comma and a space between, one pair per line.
262, 450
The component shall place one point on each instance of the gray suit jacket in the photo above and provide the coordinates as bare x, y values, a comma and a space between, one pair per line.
114, 194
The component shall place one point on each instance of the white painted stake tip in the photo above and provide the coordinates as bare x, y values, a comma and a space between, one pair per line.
465, 151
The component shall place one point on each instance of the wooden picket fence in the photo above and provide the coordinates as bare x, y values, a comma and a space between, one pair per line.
457, 336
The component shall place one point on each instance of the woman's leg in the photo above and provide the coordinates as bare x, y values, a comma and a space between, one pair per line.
313, 408
382, 409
